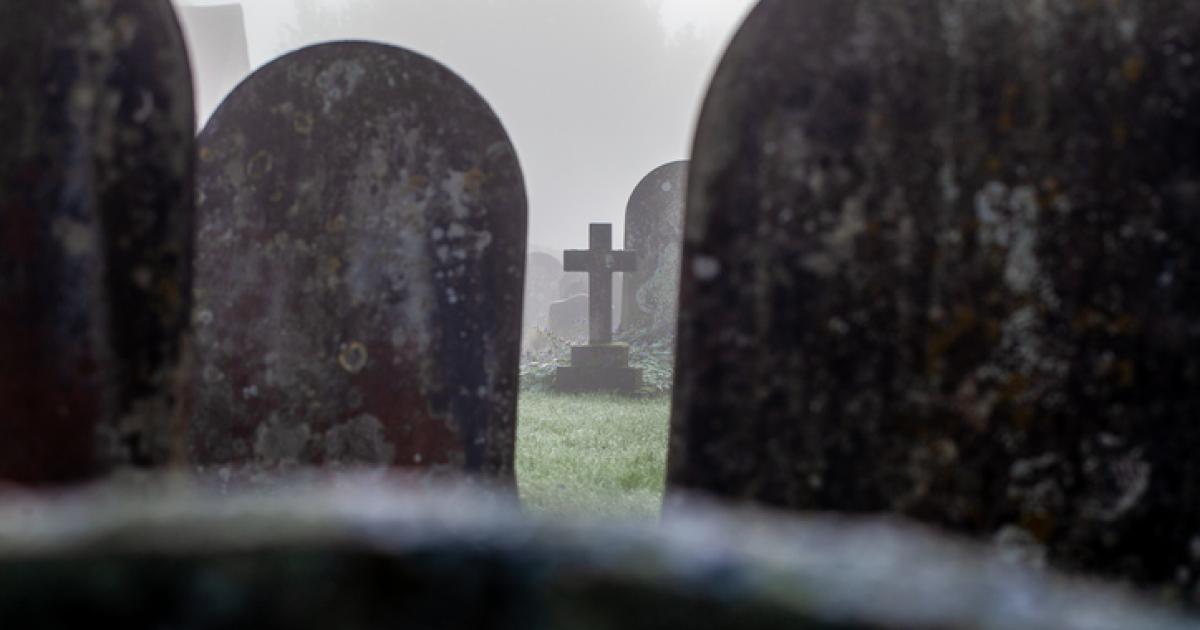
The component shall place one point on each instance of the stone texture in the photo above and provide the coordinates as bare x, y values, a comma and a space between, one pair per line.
360, 270
95, 235
654, 229
542, 275
941, 260
588, 379
606, 355
599, 368
359, 558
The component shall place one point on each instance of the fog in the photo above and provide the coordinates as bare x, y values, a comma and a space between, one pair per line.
594, 93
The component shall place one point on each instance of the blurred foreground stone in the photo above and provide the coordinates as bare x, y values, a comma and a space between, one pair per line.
941, 261
357, 555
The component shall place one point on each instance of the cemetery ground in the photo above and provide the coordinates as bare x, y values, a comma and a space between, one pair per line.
595, 455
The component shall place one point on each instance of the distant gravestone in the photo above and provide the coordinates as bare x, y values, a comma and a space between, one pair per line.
941, 260
360, 271
573, 284
95, 235
569, 318
542, 275
654, 229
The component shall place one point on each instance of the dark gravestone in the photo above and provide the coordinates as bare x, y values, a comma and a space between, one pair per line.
601, 365
359, 270
216, 36
542, 275
654, 229
941, 260
95, 235
358, 557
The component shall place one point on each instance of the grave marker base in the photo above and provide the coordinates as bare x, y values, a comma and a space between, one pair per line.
599, 368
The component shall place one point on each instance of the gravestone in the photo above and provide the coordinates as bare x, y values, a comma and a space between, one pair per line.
95, 236
361, 556
572, 284
654, 229
542, 275
216, 35
601, 365
359, 271
569, 318
941, 260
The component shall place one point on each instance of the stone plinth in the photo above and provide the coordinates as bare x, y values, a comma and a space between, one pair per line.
599, 368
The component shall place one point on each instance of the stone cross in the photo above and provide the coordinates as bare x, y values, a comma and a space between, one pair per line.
600, 262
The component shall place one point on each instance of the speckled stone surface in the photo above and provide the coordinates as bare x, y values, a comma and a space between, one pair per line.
96, 216
654, 229
941, 260
352, 556
360, 271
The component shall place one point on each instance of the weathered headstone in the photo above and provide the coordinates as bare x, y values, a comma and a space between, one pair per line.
95, 235
941, 260
542, 275
216, 35
572, 284
359, 272
357, 556
569, 317
601, 365
654, 229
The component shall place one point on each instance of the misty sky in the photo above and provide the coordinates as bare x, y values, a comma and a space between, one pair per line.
594, 93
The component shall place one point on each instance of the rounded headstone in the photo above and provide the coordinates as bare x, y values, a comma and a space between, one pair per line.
654, 230
572, 284
360, 270
95, 235
941, 260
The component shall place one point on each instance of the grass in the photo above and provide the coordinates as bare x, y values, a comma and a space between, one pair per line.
595, 456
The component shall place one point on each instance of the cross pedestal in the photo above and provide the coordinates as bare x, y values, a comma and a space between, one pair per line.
600, 366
